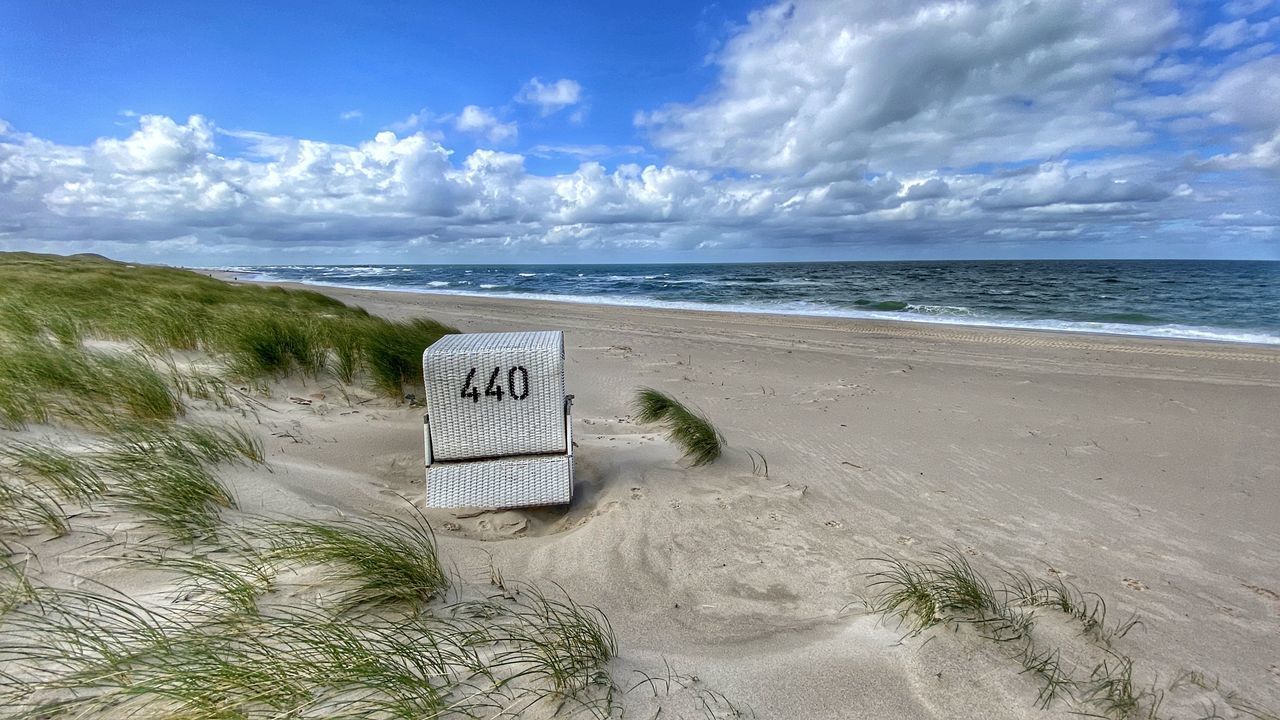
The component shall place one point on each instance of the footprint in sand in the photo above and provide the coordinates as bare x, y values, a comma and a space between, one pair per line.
906, 540
1135, 584
833, 524
636, 493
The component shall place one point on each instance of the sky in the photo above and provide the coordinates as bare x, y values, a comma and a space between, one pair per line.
235, 133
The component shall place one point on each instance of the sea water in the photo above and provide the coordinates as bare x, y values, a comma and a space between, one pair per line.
1235, 301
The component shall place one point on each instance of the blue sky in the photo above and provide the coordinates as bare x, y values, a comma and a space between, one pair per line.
231, 133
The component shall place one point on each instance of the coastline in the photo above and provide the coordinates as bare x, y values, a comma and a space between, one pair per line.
1166, 307
1135, 473
889, 327
1137, 468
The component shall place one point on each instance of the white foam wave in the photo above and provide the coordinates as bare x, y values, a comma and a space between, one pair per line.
943, 310
1181, 332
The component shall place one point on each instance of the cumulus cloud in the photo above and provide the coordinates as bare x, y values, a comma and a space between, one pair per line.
550, 97
159, 145
917, 128
910, 85
170, 190
478, 121
1236, 101
416, 121
1052, 185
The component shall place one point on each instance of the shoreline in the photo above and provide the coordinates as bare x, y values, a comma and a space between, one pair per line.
890, 326
1136, 472
1137, 468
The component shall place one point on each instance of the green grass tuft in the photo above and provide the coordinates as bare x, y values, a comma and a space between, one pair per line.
272, 345
651, 406
95, 654
40, 382
692, 431
561, 642
393, 352
387, 559
70, 476
259, 332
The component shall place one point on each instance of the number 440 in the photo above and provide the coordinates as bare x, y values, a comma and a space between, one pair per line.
517, 385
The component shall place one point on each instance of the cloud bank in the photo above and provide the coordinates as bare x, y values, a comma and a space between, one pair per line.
1056, 128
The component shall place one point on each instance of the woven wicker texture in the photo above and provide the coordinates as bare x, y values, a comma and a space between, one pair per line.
495, 394
505, 482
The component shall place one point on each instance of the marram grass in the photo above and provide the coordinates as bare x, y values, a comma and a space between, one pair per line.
163, 472
98, 654
382, 559
693, 432
258, 332
41, 381
227, 640
947, 589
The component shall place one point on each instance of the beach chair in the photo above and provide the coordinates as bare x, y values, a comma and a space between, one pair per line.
497, 429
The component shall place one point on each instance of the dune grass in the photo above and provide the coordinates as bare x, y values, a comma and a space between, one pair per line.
393, 352
693, 432
257, 331
561, 642
947, 590
226, 640
385, 558
163, 472
40, 381
99, 654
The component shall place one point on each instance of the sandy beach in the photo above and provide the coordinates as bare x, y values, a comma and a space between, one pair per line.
1145, 471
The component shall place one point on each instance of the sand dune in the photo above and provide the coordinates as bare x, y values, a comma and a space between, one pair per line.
1145, 471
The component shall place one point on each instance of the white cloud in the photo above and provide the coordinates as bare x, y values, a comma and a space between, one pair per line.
476, 120
168, 191
351, 115
1244, 95
1246, 7
585, 152
159, 144
415, 121
913, 85
923, 125
552, 96
1233, 34
1265, 155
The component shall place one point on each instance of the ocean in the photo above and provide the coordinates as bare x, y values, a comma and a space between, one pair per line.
1236, 301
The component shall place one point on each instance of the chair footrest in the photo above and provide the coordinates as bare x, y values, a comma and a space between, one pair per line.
501, 482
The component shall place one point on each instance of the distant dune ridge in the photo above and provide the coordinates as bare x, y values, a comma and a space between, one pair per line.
215, 491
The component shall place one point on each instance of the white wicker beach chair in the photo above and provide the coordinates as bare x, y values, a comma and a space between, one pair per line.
498, 429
